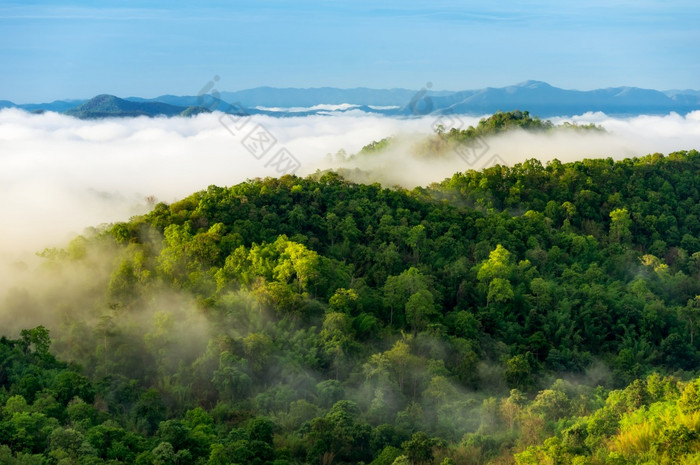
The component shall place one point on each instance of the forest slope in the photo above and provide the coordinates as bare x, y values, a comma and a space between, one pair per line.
316, 320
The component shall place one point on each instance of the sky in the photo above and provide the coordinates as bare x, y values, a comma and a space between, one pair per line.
73, 49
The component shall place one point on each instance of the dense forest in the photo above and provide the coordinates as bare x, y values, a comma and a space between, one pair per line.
527, 314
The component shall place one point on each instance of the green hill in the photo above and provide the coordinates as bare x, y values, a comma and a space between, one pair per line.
447, 139
511, 314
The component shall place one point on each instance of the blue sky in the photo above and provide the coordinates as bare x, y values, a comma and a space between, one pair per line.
58, 49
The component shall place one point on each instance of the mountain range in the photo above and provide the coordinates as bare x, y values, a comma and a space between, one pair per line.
105, 106
538, 97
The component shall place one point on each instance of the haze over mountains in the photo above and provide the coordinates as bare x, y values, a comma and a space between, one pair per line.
538, 97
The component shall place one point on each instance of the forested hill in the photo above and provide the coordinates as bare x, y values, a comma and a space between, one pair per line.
469, 143
316, 321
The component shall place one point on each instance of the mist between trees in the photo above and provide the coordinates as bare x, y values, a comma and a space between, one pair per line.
314, 320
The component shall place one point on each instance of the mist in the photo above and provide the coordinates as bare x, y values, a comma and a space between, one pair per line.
59, 175
622, 138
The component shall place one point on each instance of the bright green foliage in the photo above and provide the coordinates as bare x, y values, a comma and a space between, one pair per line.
632, 427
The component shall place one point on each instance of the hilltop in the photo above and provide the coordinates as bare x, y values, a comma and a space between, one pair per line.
104, 106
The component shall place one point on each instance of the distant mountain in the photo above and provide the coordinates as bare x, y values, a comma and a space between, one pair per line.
537, 97
545, 100
105, 106
57, 105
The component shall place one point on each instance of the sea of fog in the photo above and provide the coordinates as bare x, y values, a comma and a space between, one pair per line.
59, 175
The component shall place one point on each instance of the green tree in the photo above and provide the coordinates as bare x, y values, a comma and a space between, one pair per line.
519, 371
344, 301
398, 289
420, 310
690, 313
500, 291
620, 223
416, 240
419, 449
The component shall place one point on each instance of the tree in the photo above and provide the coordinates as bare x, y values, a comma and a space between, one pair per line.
689, 402
36, 341
690, 312
329, 392
387, 456
337, 337
420, 309
540, 289
260, 429
500, 291
551, 404
338, 435
398, 289
344, 301
296, 261
415, 240
440, 390
69, 384
258, 348
419, 449
498, 265
149, 410
164, 454
231, 379
400, 361
519, 371
620, 223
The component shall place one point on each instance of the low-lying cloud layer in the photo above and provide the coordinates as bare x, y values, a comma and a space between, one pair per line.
59, 175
